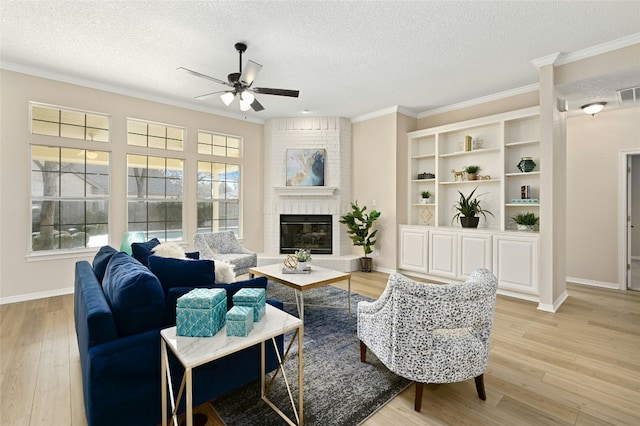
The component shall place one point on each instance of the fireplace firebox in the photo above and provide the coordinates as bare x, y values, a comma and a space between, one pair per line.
311, 232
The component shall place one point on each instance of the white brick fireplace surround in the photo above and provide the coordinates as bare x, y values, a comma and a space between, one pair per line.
334, 135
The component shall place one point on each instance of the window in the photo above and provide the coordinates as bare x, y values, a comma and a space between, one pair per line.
218, 144
69, 198
155, 135
218, 197
67, 123
154, 196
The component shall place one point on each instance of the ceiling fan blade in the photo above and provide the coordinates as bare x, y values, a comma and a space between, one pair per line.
250, 72
197, 74
257, 106
279, 92
206, 95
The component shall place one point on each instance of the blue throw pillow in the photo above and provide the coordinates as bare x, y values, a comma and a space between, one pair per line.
181, 272
193, 255
134, 294
233, 288
142, 251
101, 261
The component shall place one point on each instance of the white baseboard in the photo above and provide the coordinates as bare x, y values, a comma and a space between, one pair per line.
34, 296
556, 304
593, 283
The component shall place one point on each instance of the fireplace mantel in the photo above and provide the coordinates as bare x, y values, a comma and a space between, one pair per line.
311, 191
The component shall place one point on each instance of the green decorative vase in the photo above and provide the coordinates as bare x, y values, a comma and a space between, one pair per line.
526, 165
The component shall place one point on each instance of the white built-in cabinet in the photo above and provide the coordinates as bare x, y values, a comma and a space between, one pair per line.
435, 247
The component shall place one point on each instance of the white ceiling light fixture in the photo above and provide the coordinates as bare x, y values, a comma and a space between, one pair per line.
227, 98
593, 108
246, 99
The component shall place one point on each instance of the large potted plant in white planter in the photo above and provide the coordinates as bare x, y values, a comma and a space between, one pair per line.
359, 226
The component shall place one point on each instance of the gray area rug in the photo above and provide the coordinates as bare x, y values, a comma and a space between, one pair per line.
338, 388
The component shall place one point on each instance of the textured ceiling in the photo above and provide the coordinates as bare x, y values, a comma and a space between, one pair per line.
347, 58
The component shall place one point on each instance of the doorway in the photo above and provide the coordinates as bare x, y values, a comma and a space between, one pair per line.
630, 220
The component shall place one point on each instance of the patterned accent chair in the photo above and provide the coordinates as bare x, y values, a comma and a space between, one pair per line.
431, 333
225, 247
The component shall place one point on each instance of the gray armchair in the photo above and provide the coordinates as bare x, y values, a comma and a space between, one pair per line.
431, 333
225, 247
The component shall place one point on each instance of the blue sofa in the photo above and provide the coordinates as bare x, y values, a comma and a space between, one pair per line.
120, 306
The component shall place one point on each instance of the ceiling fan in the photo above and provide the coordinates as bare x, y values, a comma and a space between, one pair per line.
240, 83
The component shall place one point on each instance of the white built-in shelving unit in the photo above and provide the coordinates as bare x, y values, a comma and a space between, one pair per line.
434, 246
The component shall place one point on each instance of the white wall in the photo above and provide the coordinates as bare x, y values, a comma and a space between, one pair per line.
24, 276
593, 150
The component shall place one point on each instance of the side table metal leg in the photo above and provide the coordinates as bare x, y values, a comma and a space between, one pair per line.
189, 412
163, 379
300, 375
349, 295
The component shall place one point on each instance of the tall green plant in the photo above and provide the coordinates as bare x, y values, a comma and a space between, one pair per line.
469, 206
359, 224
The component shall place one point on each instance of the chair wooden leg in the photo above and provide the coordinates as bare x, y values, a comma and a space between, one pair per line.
363, 352
418, 403
480, 387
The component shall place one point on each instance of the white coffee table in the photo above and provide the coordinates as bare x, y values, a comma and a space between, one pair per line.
195, 351
318, 277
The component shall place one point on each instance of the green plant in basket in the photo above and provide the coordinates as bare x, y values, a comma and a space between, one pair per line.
528, 220
303, 255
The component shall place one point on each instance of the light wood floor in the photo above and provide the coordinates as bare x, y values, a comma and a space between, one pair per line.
579, 366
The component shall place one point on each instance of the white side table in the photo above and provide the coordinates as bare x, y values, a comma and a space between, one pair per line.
195, 351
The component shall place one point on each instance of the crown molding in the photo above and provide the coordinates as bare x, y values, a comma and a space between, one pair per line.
37, 72
481, 100
599, 49
546, 60
385, 111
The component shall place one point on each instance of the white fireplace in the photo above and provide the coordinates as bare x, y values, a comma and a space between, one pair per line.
332, 134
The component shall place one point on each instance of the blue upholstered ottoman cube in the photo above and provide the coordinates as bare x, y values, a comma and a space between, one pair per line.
201, 312
239, 321
253, 298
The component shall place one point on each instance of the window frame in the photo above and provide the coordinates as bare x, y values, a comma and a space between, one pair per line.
226, 160
156, 154
60, 108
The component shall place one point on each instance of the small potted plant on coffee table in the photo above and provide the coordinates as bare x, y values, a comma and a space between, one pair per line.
302, 256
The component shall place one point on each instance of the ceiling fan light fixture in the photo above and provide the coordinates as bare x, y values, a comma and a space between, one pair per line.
246, 99
593, 108
227, 98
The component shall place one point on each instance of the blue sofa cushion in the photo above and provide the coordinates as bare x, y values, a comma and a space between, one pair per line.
101, 261
233, 288
181, 272
135, 295
142, 251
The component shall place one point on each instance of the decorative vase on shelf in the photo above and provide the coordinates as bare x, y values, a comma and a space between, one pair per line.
526, 165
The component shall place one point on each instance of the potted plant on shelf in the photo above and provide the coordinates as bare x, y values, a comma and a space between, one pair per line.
468, 210
425, 197
302, 256
359, 226
472, 172
525, 221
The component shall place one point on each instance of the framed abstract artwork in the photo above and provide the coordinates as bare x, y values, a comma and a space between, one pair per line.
305, 167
